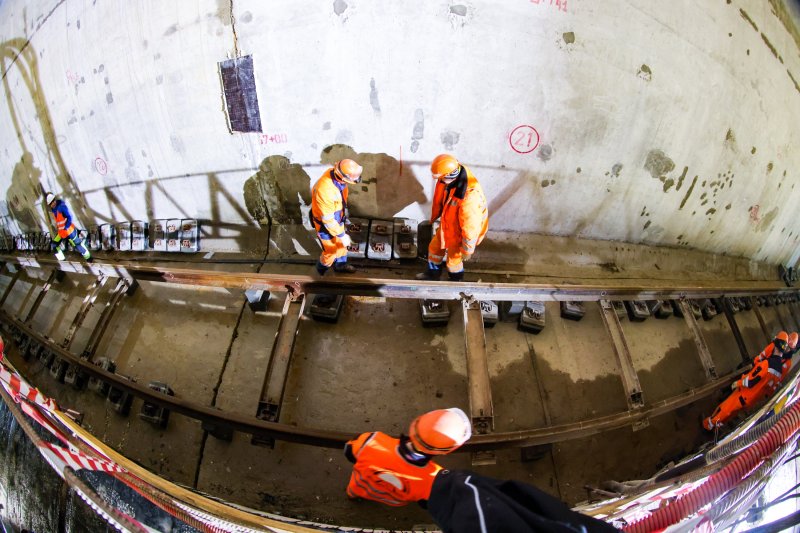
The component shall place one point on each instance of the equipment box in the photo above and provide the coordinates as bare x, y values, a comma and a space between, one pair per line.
75, 377
108, 237
58, 369
326, 307
490, 313
637, 310
357, 228
532, 317
190, 235
708, 309
434, 313
124, 236
119, 399
405, 238
138, 236
572, 310
153, 413
619, 309
173, 235
98, 385
95, 243
380, 240
158, 235
660, 308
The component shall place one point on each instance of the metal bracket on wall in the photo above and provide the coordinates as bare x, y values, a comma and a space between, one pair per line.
269, 404
630, 380
702, 347
480, 391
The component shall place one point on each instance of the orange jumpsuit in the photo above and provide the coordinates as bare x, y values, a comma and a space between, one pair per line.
765, 353
464, 221
384, 471
328, 204
762, 381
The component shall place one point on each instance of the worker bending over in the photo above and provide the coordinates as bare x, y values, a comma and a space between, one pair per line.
460, 206
762, 381
328, 214
66, 230
400, 471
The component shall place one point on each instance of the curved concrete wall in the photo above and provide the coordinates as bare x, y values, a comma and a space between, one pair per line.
669, 124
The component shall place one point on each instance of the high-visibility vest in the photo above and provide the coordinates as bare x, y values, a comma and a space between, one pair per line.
382, 474
463, 212
63, 220
328, 202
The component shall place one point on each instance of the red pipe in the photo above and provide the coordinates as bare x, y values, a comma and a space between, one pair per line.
723, 480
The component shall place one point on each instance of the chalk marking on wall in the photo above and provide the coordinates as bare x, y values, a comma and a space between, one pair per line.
561, 5
275, 138
101, 166
523, 139
754, 216
72, 77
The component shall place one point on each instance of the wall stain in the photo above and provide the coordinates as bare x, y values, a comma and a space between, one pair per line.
681, 178
569, 37
658, 164
419, 129
545, 183
753, 150
668, 184
339, 7
688, 193
276, 192
746, 17
796, 86
767, 220
615, 170
645, 73
647, 224
459, 10
769, 167
771, 48
730, 139
373, 97
545, 152
449, 138
711, 211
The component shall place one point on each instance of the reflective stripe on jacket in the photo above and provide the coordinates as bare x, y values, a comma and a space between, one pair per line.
381, 474
463, 212
762, 380
328, 203
63, 219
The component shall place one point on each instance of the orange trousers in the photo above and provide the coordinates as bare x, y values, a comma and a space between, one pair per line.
332, 249
436, 253
728, 408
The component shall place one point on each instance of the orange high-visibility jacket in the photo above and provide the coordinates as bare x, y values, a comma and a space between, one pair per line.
381, 474
765, 353
328, 203
463, 211
762, 380
63, 218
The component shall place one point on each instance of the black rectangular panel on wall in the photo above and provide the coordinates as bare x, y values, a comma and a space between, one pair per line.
239, 84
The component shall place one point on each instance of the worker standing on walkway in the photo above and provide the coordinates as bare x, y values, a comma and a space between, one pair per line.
762, 381
460, 206
400, 471
66, 231
328, 214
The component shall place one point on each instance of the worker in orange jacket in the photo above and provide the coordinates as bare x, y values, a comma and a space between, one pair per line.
762, 381
789, 354
460, 206
400, 471
328, 214
65, 229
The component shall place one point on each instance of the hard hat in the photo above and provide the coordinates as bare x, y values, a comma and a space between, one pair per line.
49, 197
793, 340
348, 171
445, 166
439, 432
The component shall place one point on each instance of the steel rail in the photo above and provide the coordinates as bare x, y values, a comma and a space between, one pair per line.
400, 288
336, 439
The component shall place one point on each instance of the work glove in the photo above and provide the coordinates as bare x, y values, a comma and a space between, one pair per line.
734, 385
345, 240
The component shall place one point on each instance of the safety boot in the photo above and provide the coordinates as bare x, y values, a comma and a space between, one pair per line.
430, 274
321, 269
344, 268
456, 276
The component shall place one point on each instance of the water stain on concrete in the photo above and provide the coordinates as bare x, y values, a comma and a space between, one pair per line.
681, 178
711, 211
753, 150
277, 191
223, 12
109, 97
177, 144
767, 220
645, 73
22, 197
615, 170
746, 17
688, 193
545, 152
339, 7
246, 17
569, 37
668, 183
545, 183
771, 48
326, 125
449, 138
419, 124
658, 164
769, 167
459, 10
171, 30
373, 97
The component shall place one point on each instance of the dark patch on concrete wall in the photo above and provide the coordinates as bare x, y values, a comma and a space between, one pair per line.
771, 48
578, 170
681, 178
658, 164
730, 139
449, 138
545, 152
569, 37
645, 73
177, 144
668, 183
419, 129
769, 167
545, 183
753, 150
373, 97
688, 193
796, 86
109, 97
172, 29
459, 10
339, 7
727, 207
647, 224
277, 191
224, 11
615, 170
711, 211
246, 17
23, 197
767, 220
326, 125
746, 17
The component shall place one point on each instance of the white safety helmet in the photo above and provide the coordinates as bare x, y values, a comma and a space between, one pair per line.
49, 197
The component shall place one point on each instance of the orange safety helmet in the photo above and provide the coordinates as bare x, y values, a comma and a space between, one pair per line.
445, 166
348, 171
439, 432
793, 340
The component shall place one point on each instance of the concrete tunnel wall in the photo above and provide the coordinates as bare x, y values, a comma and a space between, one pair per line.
671, 124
